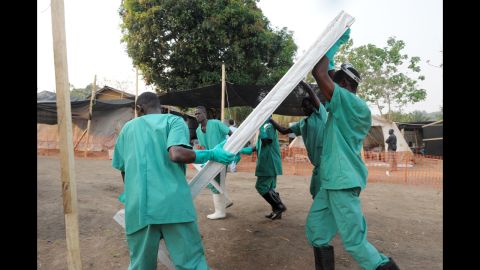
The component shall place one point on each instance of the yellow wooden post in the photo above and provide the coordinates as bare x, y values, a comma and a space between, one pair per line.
64, 117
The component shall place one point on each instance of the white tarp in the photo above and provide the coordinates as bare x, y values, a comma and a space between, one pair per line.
275, 97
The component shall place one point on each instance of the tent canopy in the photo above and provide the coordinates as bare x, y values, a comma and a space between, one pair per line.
237, 95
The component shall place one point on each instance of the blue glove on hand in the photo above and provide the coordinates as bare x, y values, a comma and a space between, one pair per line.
333, 50
222, 156
202, 156
246, 151
237, 158
216, 154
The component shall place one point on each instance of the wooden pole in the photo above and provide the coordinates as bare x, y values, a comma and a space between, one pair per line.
79, 140
64, 117
94, 88
223, 93
136, 91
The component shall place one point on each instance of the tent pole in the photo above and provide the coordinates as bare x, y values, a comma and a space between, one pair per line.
64, 117
223, 93
94, 88
136, 90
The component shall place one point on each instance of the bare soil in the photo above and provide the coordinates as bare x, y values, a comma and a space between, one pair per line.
404, 222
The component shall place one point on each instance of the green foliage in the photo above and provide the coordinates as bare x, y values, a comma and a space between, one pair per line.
383, 84
81, 93
181, 44
416, 116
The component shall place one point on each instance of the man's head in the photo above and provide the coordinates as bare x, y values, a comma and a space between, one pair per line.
201, 114
390, 131
231, 122
347, 77
147, 103
307, 106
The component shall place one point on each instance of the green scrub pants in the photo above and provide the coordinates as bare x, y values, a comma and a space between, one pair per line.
183, 242
340, 210
265, 183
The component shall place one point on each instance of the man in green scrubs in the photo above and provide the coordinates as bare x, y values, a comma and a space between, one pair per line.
211, 132
311, 129
269, 165
343, 174
150, 152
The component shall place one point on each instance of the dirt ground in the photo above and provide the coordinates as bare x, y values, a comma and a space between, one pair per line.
404, 222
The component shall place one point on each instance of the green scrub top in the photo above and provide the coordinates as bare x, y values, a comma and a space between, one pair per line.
348, 123
216, 133
156, 190
311, 129
269, 162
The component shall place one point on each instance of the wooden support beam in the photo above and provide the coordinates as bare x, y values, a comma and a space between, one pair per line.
64, 117
223, 93
94, 88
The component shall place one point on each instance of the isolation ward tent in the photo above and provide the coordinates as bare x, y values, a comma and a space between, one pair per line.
110, 111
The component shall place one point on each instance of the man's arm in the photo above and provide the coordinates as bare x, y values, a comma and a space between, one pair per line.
279, 128
181, 154
324, 82
311, 93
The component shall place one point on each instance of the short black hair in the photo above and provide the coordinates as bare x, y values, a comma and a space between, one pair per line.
148, 99
202, 108
340, 75
231, 122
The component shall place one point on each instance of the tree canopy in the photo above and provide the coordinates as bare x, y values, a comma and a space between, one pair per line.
383, 82
181, 44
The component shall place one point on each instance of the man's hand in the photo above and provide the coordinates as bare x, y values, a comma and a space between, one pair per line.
222, 156
246, 151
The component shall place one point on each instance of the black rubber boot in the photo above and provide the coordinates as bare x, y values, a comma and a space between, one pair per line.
390, 265
324, 258
271, 201
279, 206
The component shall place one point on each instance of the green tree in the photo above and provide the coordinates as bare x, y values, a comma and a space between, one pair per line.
181, 44
81, 93
383, 82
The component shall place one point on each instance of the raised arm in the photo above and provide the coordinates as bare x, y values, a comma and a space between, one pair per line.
321, 70
279, 128
311, 93
324, 82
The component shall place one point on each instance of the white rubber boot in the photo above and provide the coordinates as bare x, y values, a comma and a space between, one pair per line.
219, 204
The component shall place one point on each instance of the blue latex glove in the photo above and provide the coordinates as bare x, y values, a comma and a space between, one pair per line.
333, 50
246, 151
217, 154
202, 156
237, 158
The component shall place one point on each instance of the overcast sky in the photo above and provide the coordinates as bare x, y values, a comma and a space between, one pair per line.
93, 37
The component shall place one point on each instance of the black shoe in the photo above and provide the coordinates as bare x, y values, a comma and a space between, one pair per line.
324, 258
273, 198
390, 265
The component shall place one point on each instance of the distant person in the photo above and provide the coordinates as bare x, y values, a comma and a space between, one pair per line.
151, 152
391, 151
311, 129
269, 165
211, 132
